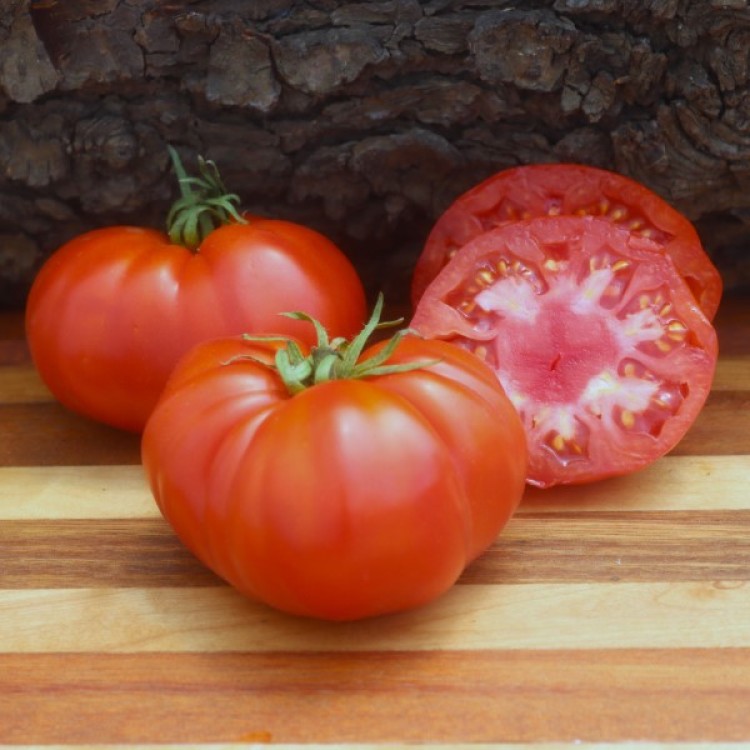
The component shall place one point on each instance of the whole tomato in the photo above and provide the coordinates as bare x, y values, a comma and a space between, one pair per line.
111, 311
333, 483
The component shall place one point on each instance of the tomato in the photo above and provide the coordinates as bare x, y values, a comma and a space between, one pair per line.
111, 312
570, 189
595, 337
344, 497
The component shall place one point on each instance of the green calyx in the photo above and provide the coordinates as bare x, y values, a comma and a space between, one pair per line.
203, 206
338, 358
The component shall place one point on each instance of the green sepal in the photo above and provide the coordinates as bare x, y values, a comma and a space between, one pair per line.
338, 359
204, 204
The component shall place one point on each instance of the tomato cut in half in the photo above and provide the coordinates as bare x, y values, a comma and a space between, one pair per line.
570, 190
595, 337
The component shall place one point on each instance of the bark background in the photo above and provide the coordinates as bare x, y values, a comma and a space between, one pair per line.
363, 119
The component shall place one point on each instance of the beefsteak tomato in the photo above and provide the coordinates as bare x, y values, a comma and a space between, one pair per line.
332, 483
111, 311
596, 338
576, 190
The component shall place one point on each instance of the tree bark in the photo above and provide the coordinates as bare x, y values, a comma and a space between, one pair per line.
363, 119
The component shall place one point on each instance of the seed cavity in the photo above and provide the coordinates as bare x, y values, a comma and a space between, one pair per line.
649, 321
569, 441
664, 398
502, 287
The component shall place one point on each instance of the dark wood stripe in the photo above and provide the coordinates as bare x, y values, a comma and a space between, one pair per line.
12, 324
534, 548
485, 696
14, 352
721, 429
47, 434
609, 546
95, 553
732, 324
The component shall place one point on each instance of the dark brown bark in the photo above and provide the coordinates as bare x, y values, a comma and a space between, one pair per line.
363, 119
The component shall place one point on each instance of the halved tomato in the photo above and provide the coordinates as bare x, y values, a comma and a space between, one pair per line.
575, 190
595, 337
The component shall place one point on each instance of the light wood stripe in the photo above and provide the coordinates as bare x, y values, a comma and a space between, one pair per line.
70, 492
732, 373
469, 617
516, 697
722, 427
672, 483
589, 546
22, 385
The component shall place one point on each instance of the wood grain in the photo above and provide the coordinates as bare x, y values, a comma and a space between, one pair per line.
673, 483
79, 554
21, 384
47, 434
732, 373
383, 697
613, 615
70, 492
534, 548
711, 614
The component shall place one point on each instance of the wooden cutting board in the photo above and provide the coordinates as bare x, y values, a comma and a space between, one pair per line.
610, 613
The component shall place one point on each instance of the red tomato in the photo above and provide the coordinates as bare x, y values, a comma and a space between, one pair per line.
595, 337
351, 498
570, 189
111, 312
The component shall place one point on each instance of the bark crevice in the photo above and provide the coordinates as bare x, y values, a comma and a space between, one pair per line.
363, 119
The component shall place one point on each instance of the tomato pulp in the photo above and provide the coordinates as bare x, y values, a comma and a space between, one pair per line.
570, 190
594, 335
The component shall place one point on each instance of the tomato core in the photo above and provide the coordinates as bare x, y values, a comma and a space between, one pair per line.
559, 351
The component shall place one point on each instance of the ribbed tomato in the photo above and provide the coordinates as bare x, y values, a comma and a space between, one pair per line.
333, 489
111, 312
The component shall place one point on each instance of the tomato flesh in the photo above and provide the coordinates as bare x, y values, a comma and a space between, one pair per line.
595, 337
570, 190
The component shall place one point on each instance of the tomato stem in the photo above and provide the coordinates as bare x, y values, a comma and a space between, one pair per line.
339, 358
203, 206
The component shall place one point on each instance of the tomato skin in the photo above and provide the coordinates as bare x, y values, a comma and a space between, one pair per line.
594, 335
570, 189
350, 499
111, 311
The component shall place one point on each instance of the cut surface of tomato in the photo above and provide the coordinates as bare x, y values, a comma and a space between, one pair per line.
570, 190
595, 337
